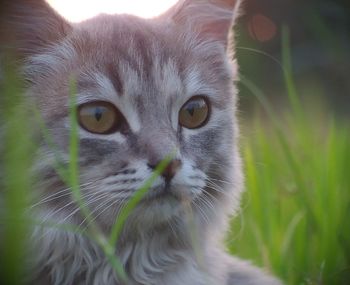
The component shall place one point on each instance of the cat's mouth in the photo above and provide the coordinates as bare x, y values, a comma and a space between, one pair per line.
166, 192
161, 204
161, 192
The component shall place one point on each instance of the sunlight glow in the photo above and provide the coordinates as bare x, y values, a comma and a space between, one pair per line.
79, 10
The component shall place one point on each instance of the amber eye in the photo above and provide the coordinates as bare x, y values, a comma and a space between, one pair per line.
99, 117
194, 113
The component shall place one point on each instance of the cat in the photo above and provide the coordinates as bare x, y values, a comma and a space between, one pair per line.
145, 89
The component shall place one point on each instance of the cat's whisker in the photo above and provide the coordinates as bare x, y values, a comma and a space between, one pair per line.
216, 182
215, 174
113, 202
197, 205
55, 212
227, 195
127, 192
207, 202
222, 181
216, 171
215, 185
72, 213
59, 194
96, 209
68, 189
211, 196
218, 189
52, 197
77, 210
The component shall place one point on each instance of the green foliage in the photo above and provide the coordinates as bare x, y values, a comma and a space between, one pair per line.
297, 223
299, 227
296, 211
16, 153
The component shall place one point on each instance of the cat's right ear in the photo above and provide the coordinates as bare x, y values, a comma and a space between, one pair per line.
28, 26
209, 19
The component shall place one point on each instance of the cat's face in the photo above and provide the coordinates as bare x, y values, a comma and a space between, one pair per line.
145, 89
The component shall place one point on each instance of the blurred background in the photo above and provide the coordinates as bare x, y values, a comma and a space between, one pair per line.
295, 123
320, 44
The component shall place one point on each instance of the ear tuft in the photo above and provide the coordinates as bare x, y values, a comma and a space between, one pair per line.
212, 19
28, 26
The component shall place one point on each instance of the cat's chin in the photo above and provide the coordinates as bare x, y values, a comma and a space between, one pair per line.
159, 209
160, 205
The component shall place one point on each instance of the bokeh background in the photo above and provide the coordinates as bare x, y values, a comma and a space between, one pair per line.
295, 123
320, 44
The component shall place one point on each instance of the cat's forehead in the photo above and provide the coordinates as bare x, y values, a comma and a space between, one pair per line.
127, 50
143, 45
124, 38
139, 57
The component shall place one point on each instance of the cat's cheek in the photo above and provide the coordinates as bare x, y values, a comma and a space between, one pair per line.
195, 149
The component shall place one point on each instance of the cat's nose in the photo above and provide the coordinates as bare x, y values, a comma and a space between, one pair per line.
170, 171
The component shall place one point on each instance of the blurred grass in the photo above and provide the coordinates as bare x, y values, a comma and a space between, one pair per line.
300, 232
295, 216
16, 181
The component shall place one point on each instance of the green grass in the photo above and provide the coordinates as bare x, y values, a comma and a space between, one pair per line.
15, 179
295, 217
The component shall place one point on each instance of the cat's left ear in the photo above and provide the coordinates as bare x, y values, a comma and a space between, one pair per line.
211, 19
29, 26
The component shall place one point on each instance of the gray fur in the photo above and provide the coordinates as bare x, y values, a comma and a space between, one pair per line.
148, 69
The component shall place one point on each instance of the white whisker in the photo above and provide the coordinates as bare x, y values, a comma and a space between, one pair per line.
59, 194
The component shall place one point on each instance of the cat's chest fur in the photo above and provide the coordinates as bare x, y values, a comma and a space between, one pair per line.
72, 259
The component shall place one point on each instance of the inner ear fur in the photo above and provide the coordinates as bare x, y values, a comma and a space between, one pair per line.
28, 26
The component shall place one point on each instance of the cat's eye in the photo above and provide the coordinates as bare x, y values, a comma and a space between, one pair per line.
99, 117
194, 113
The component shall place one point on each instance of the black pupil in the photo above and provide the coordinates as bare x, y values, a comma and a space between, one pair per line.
192, 107
98, 113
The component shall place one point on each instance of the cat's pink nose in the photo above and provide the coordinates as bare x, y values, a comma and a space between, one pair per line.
170, 171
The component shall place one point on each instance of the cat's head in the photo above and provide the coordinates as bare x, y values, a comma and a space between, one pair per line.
144, 89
